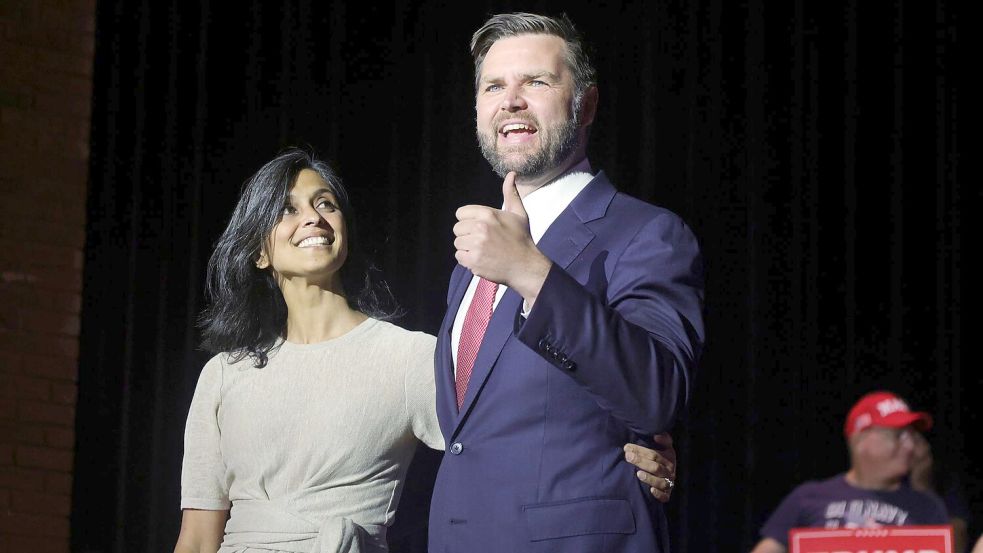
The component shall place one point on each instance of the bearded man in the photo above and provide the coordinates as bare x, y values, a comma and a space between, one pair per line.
574, 321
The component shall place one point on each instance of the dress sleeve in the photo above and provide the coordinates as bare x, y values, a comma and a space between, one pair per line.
203, 474
421, 392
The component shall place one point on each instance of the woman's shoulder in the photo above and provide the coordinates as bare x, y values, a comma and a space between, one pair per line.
224, 366
229, 360
398, 335
211, 379
215, 365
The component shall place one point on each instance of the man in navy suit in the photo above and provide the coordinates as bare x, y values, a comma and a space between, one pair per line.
574, 321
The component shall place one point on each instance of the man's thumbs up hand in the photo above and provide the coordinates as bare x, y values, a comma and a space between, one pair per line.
496, 245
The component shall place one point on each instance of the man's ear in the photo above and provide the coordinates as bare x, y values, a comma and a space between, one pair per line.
588, 106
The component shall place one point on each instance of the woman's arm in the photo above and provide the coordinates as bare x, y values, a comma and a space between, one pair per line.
201, 531
768, 545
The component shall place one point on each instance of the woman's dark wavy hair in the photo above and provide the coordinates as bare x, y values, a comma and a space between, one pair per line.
246, 314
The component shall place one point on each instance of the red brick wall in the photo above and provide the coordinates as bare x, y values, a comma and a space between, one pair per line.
46, 49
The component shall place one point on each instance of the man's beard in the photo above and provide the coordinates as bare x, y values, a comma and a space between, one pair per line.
556, 143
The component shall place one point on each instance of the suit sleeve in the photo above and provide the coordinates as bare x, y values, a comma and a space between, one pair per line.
634, 342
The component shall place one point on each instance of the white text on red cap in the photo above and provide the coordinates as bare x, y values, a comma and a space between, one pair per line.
889, 406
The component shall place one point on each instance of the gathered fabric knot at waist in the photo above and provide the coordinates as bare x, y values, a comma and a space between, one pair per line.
271, 526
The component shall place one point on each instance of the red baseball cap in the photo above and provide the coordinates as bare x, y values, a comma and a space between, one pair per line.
884, 409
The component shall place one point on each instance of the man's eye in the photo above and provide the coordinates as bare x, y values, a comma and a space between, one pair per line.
289, 210
537, 83
326, 205
493, 88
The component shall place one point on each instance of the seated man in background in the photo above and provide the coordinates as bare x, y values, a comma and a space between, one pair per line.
880, 432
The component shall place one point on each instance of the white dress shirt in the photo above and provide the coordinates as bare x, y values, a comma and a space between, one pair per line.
543, 205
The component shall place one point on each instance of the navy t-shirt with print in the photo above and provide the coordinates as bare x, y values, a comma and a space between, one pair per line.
834, 503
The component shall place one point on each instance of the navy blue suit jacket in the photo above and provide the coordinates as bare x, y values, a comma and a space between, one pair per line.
534, 458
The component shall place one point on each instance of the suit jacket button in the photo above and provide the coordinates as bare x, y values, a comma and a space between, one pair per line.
544, 345
569, 366
456, 448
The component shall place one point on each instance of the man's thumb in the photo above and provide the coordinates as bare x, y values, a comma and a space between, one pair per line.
510, 194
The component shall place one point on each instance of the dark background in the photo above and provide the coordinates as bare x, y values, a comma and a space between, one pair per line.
816, 149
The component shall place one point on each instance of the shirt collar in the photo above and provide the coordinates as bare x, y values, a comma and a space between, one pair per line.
544, 204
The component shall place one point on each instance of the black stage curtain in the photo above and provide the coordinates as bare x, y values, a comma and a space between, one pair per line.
813, 146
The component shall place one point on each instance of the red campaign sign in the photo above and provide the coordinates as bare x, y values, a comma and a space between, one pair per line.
900, 539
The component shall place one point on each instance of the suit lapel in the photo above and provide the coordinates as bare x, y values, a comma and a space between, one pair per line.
569, 234
562, 243
447, 395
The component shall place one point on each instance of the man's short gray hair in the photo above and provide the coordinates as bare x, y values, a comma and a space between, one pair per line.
506, 25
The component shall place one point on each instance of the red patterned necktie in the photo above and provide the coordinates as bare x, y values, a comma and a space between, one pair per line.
475, 323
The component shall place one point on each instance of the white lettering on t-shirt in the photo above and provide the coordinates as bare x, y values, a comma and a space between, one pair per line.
835, 509
863, 513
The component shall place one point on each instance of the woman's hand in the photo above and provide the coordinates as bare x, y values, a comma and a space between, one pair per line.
656, 468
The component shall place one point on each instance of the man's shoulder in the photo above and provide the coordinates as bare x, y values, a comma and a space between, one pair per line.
624, 221
929, 499
835, 485
643, 221
628, 202
625, 205
936, 505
